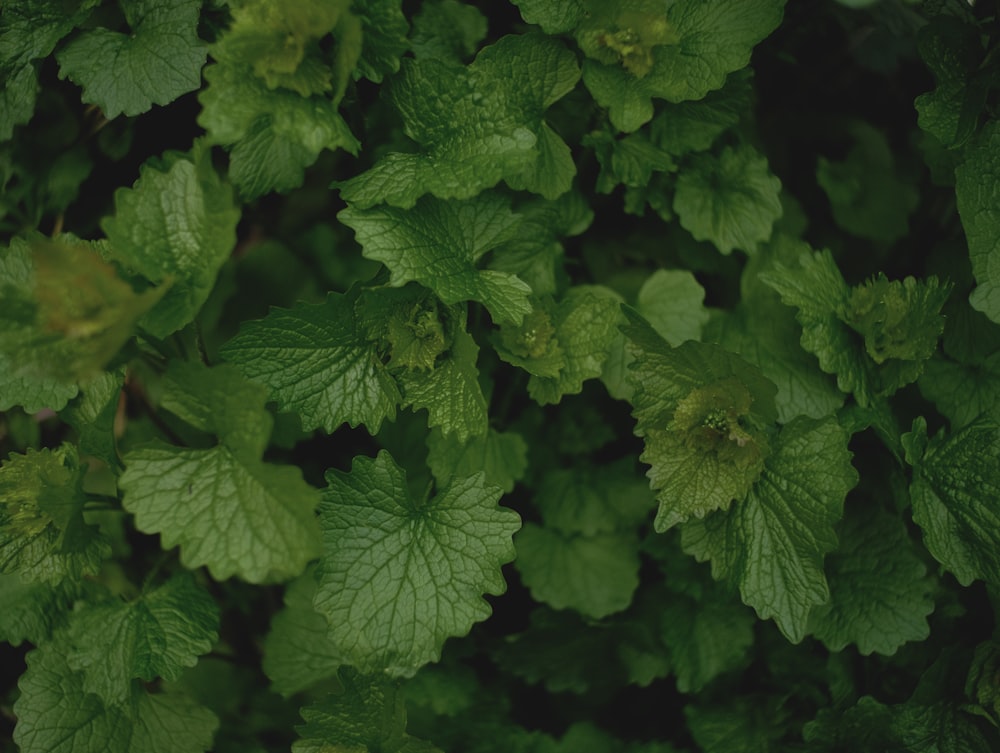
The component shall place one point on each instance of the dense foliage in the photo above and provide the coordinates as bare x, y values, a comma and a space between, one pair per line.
545, 376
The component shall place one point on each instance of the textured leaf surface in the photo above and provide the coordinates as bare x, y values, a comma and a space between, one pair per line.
713, 39
702, 413
157, 635
501, 456
153, 65
234, 515
43, 536
400, 575
438, 244
595, 575
730, 199
772, 544
176, 227
273, 135
317, 362
954, 479
476, 125
977, 189
879, 590
30, 611
225, 507
369, 716
56, 715
899, 321
298, 654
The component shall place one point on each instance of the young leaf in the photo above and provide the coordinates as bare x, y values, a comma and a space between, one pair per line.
318, 362
730, 199
707, 42
899, 322
176, 227
400, 575
43, 536
438, 244
954, 477
157, 635
157, 62
704, 414
772, 544
476, 126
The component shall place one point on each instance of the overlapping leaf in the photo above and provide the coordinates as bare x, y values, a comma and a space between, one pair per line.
476, 126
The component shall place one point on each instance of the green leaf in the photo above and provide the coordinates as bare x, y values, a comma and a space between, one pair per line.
43, 535
273, 135
772, 544
400, 575
742, 725
705, 628
447, 30
703, 413
591, 501
55, 714
318, 362
157, 635
450, 391
899, 322
369, 716
709, 41
31, 611
501, 456
554, 18
176, 227
954, 477
235, 515
870, 199
672, 301
159, 60
476, 126
438, 244
298, 654
880, 595
765, 332
683, 127
563, 344
283, 49
730, 199
977, 190
51, 341
595, 575
225, 507
953, 51
92, 414
29, 30
383, 37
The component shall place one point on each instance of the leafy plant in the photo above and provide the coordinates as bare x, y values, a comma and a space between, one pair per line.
553, 376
